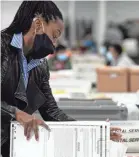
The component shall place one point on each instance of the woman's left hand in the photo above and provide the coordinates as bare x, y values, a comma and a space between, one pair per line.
115, 134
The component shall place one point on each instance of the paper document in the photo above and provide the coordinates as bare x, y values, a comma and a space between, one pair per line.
66, 139
117, 149
130, 134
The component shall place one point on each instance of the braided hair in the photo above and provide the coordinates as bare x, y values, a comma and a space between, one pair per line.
28, 10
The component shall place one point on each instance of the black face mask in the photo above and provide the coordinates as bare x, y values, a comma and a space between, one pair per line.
42, 47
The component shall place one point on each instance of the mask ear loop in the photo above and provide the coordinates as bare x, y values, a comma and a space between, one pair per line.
35, 28
43, 27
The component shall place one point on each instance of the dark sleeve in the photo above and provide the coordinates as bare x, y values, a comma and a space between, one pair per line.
7, 110
50, 111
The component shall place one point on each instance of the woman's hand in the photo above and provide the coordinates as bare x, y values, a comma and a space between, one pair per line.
30, 123
115, 134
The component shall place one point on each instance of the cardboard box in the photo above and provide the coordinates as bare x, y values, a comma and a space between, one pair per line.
112, 79
134, 79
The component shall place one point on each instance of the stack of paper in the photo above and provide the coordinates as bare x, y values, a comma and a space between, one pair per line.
84, 66
66, 139
70, 88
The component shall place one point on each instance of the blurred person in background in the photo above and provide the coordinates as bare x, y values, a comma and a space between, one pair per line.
88, 44
119, 57
104, 51
76, 50
113, 34
61, 59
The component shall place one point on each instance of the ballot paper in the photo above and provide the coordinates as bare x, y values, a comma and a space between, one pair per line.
117, 149
130, 134
66, 139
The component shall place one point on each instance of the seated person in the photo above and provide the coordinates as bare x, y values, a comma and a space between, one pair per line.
88, 44
61, 60
120, 58
104, 51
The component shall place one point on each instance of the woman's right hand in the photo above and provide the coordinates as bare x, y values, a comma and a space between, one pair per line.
30, 123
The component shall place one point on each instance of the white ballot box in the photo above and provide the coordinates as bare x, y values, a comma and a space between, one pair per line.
66, 139
130, 132
130, 100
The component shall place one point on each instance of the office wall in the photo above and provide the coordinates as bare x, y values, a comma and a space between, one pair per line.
8, 10
121, 10
116, 10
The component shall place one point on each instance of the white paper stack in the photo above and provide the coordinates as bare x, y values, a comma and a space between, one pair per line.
70, 88
66, 139
84, 66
